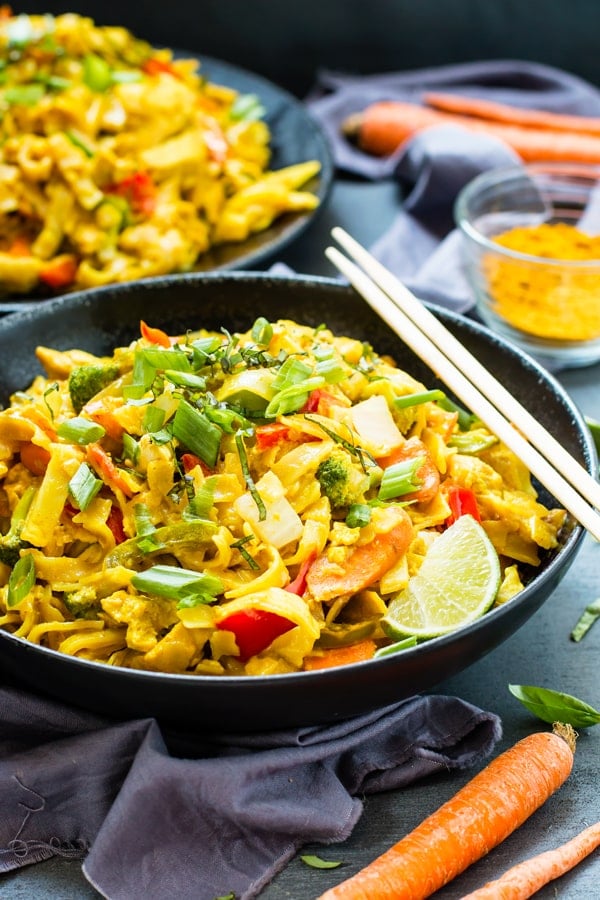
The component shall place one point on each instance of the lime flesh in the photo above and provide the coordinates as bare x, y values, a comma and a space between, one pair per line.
456, 584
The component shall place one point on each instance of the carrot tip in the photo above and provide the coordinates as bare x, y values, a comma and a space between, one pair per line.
567, 733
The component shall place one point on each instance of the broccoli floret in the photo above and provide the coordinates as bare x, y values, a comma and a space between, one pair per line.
11, 543
82, 604
86, 381
341, 480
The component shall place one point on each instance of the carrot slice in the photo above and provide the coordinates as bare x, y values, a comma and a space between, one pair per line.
341, 656
107, 470
481, 815
34, 458
364, 566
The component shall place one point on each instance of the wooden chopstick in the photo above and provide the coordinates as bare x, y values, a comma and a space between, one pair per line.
558, 471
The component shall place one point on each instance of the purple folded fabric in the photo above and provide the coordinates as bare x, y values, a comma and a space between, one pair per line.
158, 814
421, 246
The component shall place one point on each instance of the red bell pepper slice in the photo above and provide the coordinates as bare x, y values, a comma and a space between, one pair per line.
298, 585
255, 629
271, 434
115, 523
139, 190
156, 66
189, 461
462, 502
320, 401
59, 272
154, 335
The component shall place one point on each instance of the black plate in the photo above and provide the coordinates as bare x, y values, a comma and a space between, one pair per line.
101, 319
295, 137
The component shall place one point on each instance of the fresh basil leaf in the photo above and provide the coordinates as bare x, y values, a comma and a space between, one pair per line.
315, 862
554, 706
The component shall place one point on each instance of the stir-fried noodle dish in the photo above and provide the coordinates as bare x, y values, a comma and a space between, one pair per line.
118, 161
247, 504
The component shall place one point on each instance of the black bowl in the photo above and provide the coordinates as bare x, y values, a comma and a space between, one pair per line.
99, 320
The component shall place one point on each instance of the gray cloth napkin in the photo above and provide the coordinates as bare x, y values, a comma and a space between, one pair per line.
422, 247
159, 814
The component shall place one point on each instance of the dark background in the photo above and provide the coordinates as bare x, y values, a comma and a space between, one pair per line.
287, 41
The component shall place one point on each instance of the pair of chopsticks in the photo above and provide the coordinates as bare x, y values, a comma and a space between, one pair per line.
563, 476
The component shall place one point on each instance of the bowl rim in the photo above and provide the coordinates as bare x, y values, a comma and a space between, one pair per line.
550, 574
516, 171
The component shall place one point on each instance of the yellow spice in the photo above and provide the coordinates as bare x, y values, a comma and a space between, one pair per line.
548, 301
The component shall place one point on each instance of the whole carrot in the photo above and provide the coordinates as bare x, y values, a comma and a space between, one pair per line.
526, 878
510, 115
384, 126
481, 815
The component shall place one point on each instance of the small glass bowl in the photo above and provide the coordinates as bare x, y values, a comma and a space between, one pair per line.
549, 307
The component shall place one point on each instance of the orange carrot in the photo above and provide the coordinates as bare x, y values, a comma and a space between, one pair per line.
60, 271
20, 247
34, 458
428, 474
526, 878
384, 126
103, 464
341, 656
511, 115
154, 335
481, 815
364, 566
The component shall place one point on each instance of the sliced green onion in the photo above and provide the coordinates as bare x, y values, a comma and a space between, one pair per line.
416, 399
587, 618
97, 74
293, 371
135, 392
57, 83
241, 448
331, 369
359, 515
203, 500
154, 418
143, 375
203, 350
292, 398
177, 584
247, 107
131, 449
143, 520
230, 420
404, 644
262, 331
24, 94
21, 581
84, 486
162, 358
125, 76
80, 431
186, 379
194, 431
473, 441
400, 479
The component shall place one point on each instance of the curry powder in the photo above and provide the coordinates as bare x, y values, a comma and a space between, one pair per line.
548, 300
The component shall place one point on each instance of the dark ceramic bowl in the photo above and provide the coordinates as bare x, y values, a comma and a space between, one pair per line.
99, 320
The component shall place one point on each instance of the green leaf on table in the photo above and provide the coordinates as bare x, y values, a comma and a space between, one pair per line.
594, 427
315, 862
554, 706
586, 620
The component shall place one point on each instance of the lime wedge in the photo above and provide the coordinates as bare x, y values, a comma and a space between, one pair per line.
457, 582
